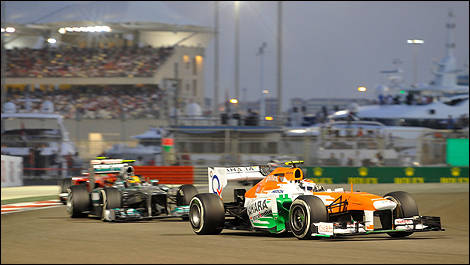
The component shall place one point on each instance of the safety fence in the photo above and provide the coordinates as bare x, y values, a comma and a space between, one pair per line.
372, 175
398, 175
326, 175
320, 174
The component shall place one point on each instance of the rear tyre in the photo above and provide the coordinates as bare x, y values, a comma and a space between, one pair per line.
64, 186
406, 207
206, 214
78, 201
303, 212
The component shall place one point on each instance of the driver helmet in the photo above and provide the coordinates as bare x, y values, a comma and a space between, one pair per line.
130, 177
133, 179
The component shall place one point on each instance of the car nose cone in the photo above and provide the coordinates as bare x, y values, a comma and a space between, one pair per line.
384, 205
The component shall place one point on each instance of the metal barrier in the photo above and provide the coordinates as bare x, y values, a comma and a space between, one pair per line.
332, 146
200, 175
322, 174
341, 148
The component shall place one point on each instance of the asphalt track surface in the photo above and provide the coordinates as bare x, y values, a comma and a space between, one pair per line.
50, 236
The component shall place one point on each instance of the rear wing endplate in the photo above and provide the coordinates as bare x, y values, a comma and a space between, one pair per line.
219, 176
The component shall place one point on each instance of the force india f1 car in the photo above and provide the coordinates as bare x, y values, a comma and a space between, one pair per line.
128, 197
283, 201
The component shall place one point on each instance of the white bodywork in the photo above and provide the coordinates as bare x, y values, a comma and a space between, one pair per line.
218, 176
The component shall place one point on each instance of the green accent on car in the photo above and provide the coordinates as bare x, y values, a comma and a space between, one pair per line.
322, 235
282, 212
271, 222
276, 222
181, 210
107, 169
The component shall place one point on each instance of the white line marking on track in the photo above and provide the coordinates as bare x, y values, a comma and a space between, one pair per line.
28, 206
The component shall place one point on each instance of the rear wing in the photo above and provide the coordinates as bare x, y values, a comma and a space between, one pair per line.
219, 176
103, 165
108, 168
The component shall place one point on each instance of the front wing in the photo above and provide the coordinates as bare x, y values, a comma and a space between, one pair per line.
411, 224
130, 214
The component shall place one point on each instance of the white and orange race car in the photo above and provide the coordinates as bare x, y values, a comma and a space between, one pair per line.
283, 201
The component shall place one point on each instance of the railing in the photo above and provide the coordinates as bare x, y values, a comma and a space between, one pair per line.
428, 148
225, 119
320, 174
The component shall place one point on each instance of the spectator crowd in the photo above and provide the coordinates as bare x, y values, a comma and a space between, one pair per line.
108, 102
85, 62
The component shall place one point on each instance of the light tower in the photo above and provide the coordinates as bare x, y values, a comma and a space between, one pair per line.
260, 53
446, 73
279, 59
216, 58
237, 53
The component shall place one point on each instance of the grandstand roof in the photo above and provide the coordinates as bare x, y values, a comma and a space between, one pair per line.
41, 18
116, 27
33, 12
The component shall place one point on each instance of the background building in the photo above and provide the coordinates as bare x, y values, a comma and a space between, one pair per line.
100, 76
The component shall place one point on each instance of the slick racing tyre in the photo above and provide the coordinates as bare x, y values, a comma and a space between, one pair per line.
303, 212
206, 214
78, 201
184, 194
64, 186
111, 199
406, 207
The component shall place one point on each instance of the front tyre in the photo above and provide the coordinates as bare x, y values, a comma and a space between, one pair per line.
78, 201
406, 207
184, 194
303, 212
111, 200
206, 214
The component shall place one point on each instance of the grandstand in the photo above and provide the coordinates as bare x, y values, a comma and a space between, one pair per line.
107, 77
132, 54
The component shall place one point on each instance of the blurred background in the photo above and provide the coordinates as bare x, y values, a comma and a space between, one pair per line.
349, 85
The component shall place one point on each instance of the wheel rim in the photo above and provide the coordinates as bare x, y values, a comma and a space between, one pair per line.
397, 212
298, 218
180, 197
195, 215
69, 205
105, 204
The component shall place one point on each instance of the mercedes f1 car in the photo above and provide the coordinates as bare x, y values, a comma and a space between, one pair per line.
284, 202
128, 198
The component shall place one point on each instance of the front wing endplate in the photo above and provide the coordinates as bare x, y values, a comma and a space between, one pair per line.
411, 224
